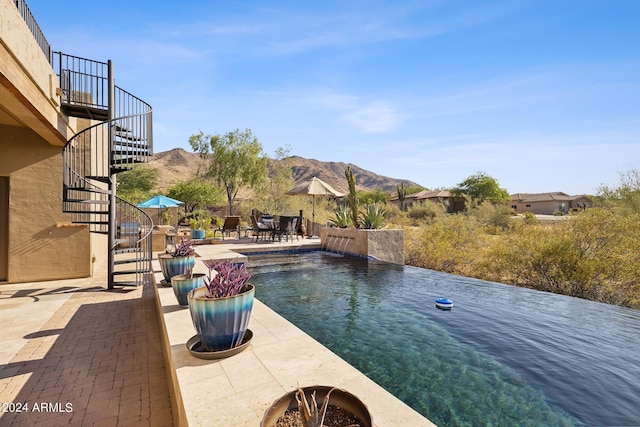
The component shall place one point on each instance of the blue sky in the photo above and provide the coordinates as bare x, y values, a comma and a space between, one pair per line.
543, 95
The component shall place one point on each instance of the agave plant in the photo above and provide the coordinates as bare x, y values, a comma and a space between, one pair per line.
225, 279
311, 415
373, 217
342, 218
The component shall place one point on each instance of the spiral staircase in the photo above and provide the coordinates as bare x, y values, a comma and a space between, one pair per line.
117, 137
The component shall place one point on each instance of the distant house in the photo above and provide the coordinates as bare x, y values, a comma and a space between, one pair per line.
548, 203
453, 204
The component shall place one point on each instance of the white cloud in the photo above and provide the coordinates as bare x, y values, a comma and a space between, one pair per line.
375, 117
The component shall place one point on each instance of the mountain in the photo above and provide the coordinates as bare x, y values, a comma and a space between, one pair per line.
179, 164
333, 174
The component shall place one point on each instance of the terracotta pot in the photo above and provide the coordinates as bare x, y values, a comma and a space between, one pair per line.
338, 397
172, 266
183, 284
221, 322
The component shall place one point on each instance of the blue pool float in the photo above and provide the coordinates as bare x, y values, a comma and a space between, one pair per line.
444, 304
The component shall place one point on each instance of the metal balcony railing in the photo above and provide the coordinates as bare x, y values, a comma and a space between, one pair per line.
35, 29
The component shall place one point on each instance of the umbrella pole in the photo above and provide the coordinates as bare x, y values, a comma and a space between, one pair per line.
313, 215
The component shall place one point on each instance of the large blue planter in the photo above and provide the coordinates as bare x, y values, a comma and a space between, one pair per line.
182, 285
221, 322
198, 234
172, 266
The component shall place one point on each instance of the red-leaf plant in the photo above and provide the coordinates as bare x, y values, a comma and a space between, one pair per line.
225, 279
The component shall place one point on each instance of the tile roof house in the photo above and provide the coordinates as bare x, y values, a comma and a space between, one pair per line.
548, 203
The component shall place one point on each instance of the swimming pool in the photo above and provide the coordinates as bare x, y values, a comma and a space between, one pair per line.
503, 356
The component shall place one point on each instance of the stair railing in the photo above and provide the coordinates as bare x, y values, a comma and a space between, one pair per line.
93, 156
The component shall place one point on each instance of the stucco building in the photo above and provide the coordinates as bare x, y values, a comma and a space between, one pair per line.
40, 174
548, 203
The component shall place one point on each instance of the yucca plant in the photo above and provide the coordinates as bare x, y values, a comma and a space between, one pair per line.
342, 218
373, 217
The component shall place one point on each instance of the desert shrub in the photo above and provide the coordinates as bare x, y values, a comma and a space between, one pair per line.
497, 217
426, 211
447, 245
593, 256
529, 217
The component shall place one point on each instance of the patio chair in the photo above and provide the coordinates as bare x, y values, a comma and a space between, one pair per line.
171, 238
231, 224
287, 227
260, 228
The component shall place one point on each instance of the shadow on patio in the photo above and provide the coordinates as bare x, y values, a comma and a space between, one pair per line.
96, 361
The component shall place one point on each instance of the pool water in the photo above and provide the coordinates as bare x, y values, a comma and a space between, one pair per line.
502, 356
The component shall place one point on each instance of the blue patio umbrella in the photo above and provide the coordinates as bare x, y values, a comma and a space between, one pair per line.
160, 202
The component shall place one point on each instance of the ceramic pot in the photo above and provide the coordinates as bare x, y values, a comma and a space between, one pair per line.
338, 397
197, 234
172, 266
221, 322
182, 285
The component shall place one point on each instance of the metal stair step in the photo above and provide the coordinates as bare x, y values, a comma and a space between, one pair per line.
87, 201
128, 136
99, 178
127, 283
88, 189
124, 272
91, 222
126, 250
130, 261
77, 211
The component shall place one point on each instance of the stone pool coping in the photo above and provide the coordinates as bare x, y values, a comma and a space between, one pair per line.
238, 390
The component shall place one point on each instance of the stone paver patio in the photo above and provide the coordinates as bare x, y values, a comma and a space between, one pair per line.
73, 353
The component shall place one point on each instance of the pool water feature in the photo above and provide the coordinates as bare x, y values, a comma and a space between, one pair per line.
502, 356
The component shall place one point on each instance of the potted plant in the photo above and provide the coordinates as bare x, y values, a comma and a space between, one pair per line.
199, 227
220, 310
300, 407
176, 261
182, 284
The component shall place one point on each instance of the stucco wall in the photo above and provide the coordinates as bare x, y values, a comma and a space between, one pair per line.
41, 247
28, 83
541, 208
385, 245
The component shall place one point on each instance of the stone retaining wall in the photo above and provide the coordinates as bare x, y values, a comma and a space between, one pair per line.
385, 245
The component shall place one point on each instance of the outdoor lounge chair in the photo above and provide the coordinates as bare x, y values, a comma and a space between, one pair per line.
231, 224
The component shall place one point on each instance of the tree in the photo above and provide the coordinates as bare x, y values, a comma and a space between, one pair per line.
196, 194
625, 197
136, 185
481, 187
236, 160
271, 195
376, 196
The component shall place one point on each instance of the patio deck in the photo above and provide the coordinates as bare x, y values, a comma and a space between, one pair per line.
73, 353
